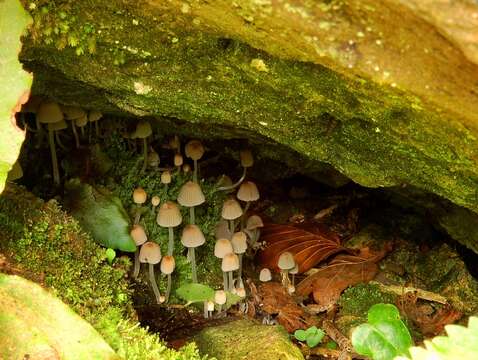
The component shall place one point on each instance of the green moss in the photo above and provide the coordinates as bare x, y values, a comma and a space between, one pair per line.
358, 299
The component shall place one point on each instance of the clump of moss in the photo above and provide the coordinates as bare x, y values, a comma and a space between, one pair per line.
357, 299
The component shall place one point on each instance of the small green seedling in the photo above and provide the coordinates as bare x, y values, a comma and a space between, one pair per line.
384, 336
197, 293
312, 336
110, 255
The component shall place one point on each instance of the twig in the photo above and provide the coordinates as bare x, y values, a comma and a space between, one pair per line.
343, 342
421, 294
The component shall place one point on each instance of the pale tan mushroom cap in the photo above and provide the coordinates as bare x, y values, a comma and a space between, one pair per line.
139, 196
286, 261
167, 264
153, 158
138, 234
220, 297
248, 191
194, 150
150, 253
225, 181
60, 125
254, 222
230, 262
155, 200
174, 142
247, 160
165, 177
49, 112
241, 292
192, 236
191, 194
94, 115
222, 230
231, 209
81, 121
169, 215
265, 275
239, 242
178, 160
143, 130
210, 305
186, 168
222, 247
73, 112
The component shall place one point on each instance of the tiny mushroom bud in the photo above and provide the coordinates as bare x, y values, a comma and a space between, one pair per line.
178, 160
167, 267
170, 217
174, 143
248, 192
191, 195
290, 289
230, 263
239, 244
139, 236
210, 305
151, 253
155, 201
221, 248
241, 292
186, 168
285, 263
194, 150
153, 158
166, 177
220, 298
231, 210
139, 198
192, 238
265, 275
253, 225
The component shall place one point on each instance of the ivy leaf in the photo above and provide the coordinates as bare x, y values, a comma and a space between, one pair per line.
300, 335
193, 293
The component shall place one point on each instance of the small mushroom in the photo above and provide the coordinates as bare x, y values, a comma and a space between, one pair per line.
151, 253
170, 217
220, 298
222, 230
155, 201
50, 112
210, 307
167, 267
248, 192
93, 117
153, 158
221, 248
192, 238
81, 123
139, 236
143, 131
247, 160
231, 210
73, 113
186, 168
166, 179
194, 150
265, 275
139, 198
191, 195
178, 161
293, 272
241, 292
286, 263
230, 263
239, 244
253, 225
174, 143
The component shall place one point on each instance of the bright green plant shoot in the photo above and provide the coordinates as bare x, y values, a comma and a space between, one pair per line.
312, 336
110, 255
384, 336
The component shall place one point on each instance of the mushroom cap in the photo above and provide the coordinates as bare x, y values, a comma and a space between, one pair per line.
153, 158
59, 125
247, 160
192, 236
222, 230
143, 130
194, 149
81, 121
225, 181
210, 305
167, 264
150, 253
230, 262
166, 177
241, 292
49, 112
138, 234
73, 112
94, 115
191, 194
169, 215
186, 168
254, 222
291, 289
286, 261
231, 209
248, 191
178, 160
295, 269
220, 297
265, 275
222, 247
139, 196
239, 242
174, 142
155, 200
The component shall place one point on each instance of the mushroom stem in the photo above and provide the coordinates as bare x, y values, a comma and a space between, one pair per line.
206, 311
82, 129
285, 278
168, 288
75, 134
58, 140
137, 214
152, 279
243, 217
239, 272
231, 226
224, 279
145, 155
192, 258
171, 241
293, 279
40, 134
54, 161
136, 264
233, 186
191, 215
230, 280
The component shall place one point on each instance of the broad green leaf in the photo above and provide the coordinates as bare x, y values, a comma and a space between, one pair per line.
193, 293
315, 338
15, 82
311, 331
369, 342
300, 335
231, 299
382, 312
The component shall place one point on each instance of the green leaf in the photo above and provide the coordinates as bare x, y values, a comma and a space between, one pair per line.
332, 345
231, 299
311, 331
15, 83
315, 338
385, 336
110, 255
193, 293
300, 335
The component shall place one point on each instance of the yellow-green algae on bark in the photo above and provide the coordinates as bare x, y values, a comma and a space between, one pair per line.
36, 325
